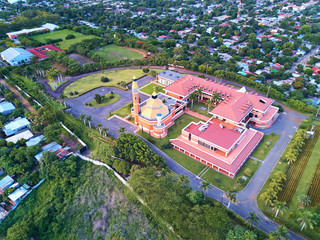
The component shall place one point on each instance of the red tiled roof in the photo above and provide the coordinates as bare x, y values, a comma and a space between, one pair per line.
40, 52
223, 137
235, 106
234, 166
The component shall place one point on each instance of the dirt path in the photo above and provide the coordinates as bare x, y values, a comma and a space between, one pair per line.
25, 103
144, 53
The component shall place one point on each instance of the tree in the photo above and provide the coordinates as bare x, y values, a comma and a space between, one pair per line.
192, 97
99, 127
88, 118
305, 29
240, 233
205, 187
279, 207
306, 220
232, 196
105, 130
98, 98
18, 231
199, 93
299, 68
195, 197
280, 234
304, 199
121, 129
83, 118
184, 179
253, 219
308, 71
209, 102
51, 132
215, 98
63, 99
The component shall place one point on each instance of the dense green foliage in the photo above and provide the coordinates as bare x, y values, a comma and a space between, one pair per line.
166, 195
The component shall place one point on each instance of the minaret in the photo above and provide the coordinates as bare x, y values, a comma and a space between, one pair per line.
135, 100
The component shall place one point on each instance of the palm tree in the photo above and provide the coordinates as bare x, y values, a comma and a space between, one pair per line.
105, 130
199, 93
83, 118
192, 97
280, 233
63, 99
253, 219
205, 187
306, 220
88, 117
215, 98
279, 207
304, 199
184, 178
209, 101
121, 129
99, 127
232, 196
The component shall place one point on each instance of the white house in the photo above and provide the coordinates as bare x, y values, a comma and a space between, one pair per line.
16, 56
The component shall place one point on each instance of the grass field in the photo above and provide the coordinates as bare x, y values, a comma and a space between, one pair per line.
93, 81
196, 108
113, 53
106, 100
265, 146
228, 184
65, 44
122, 112
150, 88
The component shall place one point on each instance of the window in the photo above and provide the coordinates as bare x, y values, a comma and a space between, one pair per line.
204, 144
135, 98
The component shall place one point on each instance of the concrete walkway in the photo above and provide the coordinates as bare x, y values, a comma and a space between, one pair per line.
197, 115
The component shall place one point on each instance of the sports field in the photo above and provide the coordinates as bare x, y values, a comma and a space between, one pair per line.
65, 44
113, 53
117, 78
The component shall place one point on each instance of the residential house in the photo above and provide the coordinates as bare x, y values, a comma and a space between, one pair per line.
5, 182
6, 108
18, 194
22, 135
16, 126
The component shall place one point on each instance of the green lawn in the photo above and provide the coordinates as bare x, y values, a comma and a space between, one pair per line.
150, 88
106, 100
196, 108
265, 146
123, 112
228, 184
174, 132
65, 44
93, 81
113, 53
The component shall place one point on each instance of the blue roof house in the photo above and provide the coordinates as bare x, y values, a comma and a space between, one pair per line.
18, 194
16, 56
167, 77
15, 126
5, 182
6, 108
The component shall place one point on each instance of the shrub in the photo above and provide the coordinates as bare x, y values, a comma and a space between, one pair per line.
111, 92
217, 179
76, 92
71, 93
167, 145
145, 70
240, 180
292, 215
70, 36
247, 172
105, 79
111, 96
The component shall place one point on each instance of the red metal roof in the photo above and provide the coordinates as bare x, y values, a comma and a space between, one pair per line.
40, 52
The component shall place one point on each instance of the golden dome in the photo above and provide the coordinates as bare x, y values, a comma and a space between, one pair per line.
154, 106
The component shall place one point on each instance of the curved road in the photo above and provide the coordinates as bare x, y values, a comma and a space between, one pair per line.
285, 125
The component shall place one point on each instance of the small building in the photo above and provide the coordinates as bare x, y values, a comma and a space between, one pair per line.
22, 135
47, 26
16, 126
61, 153
167, 77
6, 108
16, 56
3, 213
5, 182
16, 1
42, 52
34, 141
18, 194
